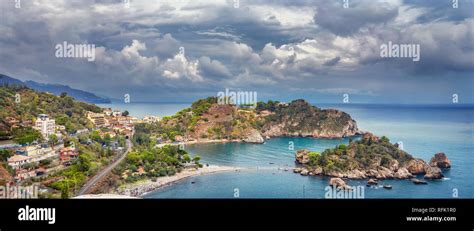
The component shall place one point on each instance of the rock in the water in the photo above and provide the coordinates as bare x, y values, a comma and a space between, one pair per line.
417, 166
297, 170
302, 156
339, 183
304, 172
418, 181
372, 182
440, 160
255, 137
402, 173
433, 173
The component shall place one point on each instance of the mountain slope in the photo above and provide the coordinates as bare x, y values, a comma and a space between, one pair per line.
20, 105
56, 89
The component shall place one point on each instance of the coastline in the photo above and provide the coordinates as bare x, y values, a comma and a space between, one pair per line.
141, 188
202, 141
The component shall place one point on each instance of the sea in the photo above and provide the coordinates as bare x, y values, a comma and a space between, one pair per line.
422, 130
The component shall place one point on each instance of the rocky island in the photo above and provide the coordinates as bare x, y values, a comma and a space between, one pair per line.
369, 157
206, 119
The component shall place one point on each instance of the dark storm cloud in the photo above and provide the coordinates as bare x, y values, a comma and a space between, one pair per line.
188, 49
347, 21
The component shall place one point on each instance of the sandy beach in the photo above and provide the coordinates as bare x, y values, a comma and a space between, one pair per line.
139, 189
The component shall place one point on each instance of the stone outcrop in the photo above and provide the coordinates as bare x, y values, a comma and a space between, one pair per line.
433, 173
402, 173
302, 156
417, 166
254, 137
440, 160
304, 172
372, 182
339, 183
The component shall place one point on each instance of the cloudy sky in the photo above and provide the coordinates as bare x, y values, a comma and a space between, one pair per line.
181, 50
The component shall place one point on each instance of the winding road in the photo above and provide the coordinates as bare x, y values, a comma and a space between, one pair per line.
104, 172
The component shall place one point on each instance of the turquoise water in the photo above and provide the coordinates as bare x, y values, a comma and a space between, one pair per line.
424, 130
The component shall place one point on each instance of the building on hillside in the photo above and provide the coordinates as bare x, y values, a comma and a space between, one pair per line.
31, 154
66, 155
45, 125
61, 127
16, 161
107, 111
116, 113
80, 131
98, 119
151, 119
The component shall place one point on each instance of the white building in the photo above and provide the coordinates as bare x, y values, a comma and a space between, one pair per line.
45, 125
151, 119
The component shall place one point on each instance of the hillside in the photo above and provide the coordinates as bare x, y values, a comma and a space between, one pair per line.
55, 89
299, 118
21, 110
206, 119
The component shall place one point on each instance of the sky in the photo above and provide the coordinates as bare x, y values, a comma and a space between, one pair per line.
182, 50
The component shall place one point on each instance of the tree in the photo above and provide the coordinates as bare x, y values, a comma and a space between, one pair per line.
196, 159
125, 113
65, 190
26, 135
342, 147
107, 139
314, 157
53, 139
186, 158
384, 139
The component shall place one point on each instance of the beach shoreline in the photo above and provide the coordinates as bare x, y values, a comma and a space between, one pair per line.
141, 188
201, 141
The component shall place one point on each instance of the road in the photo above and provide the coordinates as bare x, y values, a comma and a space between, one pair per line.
104, 172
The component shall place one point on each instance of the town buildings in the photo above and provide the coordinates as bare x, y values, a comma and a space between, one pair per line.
98, 119
45, 125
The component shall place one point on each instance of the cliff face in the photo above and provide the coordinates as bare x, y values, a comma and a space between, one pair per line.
299, 118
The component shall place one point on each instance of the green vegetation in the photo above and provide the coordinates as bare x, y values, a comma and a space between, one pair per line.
269, 105
26, 135
5, 154
91, 158
24, 104
358, 154
301, 117
144, 162
172, 126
